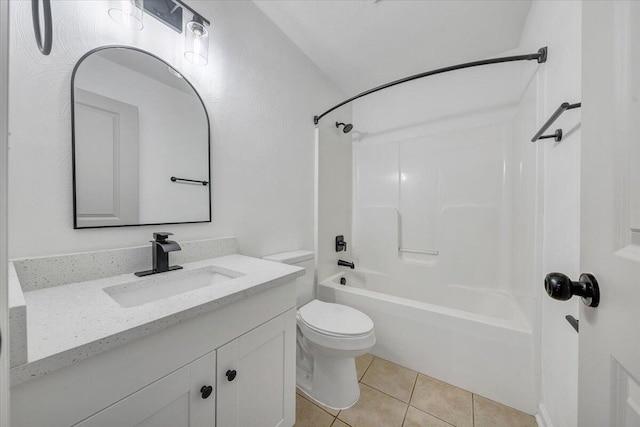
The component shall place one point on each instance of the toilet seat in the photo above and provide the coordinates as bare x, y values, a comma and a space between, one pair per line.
335, 320
335, 326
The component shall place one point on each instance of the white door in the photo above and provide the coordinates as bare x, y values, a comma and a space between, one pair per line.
107, 161
180, 399
4, 135
609, 365
256, 376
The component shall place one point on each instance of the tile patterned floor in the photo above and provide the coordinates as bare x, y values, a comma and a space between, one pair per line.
394, 396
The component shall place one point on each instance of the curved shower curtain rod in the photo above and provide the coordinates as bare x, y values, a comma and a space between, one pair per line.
540, 56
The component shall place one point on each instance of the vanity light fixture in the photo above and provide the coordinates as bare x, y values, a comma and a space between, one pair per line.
127, 13
196, 39
169, 12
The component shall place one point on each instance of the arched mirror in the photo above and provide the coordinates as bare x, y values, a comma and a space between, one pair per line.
141, 152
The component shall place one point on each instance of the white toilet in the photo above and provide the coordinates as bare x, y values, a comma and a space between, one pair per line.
329, 337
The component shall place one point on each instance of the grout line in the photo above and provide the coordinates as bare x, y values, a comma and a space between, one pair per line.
415, 383
405, 416
414, 387
500, 404
308, 399
410, 397
473, 409
428, 413
343, 422
335, 416
434, 416
360, 380
387, 394
368, 366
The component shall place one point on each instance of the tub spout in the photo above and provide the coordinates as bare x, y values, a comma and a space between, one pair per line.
342, 263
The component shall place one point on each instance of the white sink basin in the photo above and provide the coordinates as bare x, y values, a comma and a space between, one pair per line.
165, 285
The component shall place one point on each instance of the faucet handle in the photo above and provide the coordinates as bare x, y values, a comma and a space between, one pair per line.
161, 236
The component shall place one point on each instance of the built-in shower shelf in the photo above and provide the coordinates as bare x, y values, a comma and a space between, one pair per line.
418, 251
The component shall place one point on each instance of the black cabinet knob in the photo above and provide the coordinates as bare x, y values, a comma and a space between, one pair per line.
206, 391
562, 288
231, 375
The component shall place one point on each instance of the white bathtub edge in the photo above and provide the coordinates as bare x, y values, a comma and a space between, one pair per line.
521, 326
542, 417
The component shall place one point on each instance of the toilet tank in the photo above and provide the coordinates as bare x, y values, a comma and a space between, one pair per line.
305, 284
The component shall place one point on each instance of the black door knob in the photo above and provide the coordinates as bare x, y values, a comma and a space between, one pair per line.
206, 391
231, 375
562, 288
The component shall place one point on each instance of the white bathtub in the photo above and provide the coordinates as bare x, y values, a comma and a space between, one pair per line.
477, 340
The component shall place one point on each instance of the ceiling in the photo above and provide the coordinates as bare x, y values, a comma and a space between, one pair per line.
360, 44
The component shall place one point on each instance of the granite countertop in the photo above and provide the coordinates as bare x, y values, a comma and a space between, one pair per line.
72, 322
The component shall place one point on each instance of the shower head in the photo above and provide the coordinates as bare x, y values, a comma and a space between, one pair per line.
347, 126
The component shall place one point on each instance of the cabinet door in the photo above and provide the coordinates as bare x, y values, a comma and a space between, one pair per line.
262, 392
173, 401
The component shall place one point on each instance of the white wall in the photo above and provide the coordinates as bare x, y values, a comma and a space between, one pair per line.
261, 93
557, 24
333, 194
440, 102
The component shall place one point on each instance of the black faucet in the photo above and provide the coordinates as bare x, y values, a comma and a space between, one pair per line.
160, 248
351, 265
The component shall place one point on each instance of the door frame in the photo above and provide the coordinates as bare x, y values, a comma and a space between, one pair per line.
4, 147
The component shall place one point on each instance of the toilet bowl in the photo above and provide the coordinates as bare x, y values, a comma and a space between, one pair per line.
329, 338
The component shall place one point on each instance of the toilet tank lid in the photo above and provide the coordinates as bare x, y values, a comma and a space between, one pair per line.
291, 257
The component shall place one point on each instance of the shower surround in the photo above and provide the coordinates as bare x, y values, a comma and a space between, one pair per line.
446, 229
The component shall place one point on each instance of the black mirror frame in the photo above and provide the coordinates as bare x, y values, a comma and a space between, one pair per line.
73, 139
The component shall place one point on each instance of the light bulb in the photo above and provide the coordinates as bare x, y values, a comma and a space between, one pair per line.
127, 13
196, 42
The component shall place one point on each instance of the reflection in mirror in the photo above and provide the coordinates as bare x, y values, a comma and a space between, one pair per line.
137, 122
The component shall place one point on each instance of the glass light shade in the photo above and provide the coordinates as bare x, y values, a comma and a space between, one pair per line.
127, 13
196, 42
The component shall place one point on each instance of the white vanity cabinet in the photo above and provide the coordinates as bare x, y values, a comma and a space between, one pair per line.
253, 386
177, 400
253, 372
157, 380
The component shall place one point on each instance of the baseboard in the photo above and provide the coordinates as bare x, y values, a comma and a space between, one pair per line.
542, 417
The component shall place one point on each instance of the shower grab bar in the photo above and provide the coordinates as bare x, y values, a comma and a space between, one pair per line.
418, 251
540, 56
174, 179
557, 135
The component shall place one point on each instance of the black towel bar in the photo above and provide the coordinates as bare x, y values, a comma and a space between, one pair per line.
174, 179
557, 135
